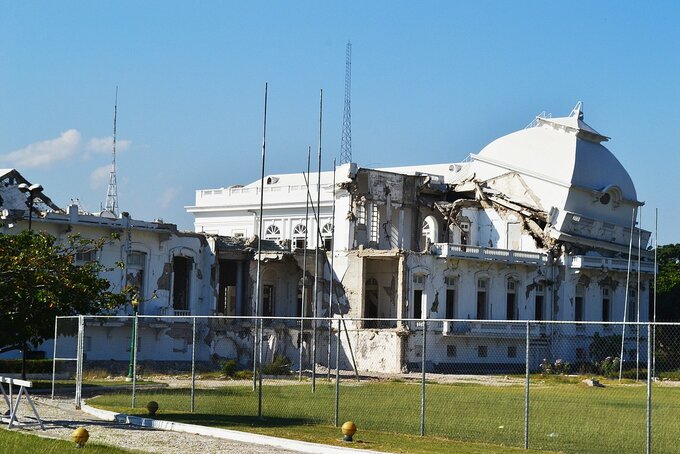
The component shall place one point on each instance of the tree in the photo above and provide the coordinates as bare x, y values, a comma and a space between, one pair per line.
668, 283
40, 280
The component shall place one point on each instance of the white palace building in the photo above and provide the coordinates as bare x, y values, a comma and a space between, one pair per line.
536, 226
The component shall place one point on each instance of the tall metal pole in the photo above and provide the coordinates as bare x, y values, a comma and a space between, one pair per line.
332, 278
54, 354
304, 264
134, 360
526, 391
649, 389
656, 248
316, 253
637, 327
193, 364
79, 361
257, 354
337, 375
422, 381
625, 301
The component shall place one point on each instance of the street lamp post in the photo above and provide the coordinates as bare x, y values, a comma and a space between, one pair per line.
135, 307
134, 302
32, 191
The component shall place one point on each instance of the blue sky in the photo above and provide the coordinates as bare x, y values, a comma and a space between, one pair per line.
431, 82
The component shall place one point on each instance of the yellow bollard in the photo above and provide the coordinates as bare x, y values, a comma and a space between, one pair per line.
348, 430
80, 436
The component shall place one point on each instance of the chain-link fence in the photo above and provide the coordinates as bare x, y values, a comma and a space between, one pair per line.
572, 387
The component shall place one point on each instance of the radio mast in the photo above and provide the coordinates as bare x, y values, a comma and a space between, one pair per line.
346, 144
112, 192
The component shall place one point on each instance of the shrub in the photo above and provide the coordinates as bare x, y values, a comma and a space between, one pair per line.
609, 367
279, 366
243, 375
228, 368
559, 367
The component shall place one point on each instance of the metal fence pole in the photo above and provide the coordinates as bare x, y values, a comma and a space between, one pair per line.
337, 375
193, 364
422, 392
134, 358
79, 362
259, 370
526, 392
649, 388
54, 354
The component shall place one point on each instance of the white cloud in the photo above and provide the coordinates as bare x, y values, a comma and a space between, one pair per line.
69, 144
105, 144
169, 196
46, 152
99, 177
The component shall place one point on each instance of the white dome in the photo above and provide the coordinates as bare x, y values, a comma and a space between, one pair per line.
555, 156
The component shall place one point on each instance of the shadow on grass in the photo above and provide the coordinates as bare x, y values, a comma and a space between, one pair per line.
213, 420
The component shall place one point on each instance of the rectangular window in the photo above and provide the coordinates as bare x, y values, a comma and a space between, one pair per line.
450, 303
451, 351
512, 351
579, 303
417, 304
450, 296
181, 269
482, 351
361, 215
268, 301
606, 305
83, 257
632, 305
375, 223
511, 301
539, 301
481, 299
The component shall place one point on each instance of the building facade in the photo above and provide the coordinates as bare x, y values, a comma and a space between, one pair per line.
539, 225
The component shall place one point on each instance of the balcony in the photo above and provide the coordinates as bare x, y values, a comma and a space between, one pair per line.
604, 263
489, 254
500, 329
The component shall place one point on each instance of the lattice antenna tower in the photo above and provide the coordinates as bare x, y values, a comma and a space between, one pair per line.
112, 192
346, 144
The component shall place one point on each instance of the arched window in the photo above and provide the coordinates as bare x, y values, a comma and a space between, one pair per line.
327, 235
272, 232
429, 231
299, 236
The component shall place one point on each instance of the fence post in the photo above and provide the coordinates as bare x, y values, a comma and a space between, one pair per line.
526, 392
193, 363
134, 358
649, 387
79, 362
422, 394
337, 375
54, 354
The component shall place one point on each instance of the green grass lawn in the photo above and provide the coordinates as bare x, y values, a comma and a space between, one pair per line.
564, 415
22, 443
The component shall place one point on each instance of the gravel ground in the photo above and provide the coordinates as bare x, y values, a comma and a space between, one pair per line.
61, 419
